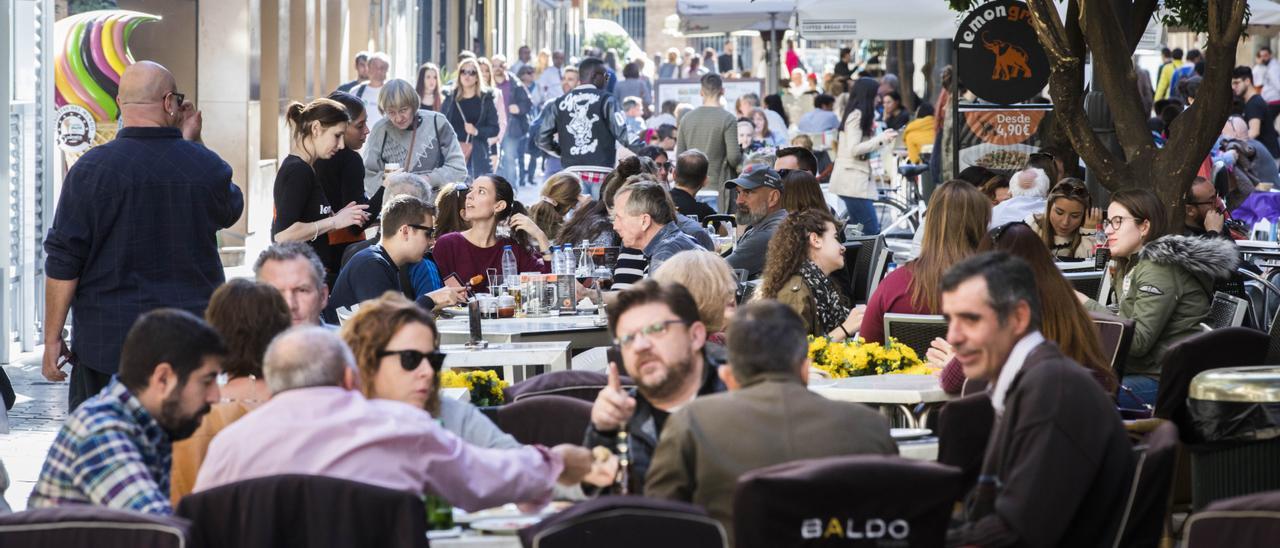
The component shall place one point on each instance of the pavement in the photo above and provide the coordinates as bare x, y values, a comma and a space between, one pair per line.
37, 415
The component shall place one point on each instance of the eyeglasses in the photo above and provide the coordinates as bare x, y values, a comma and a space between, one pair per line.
1041, 155
411, 359
179, 97
999, 231
467, 72
461, 187
1115, 222
656, 328
429, 230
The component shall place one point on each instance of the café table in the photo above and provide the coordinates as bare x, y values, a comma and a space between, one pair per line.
888, 392
582, 332
474, 539
517, 361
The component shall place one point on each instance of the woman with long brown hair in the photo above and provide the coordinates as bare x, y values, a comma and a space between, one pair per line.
1069, 221
560, 195
802, 255
954, 225
429, 88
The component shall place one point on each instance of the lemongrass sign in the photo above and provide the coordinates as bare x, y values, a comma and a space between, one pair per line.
998, 56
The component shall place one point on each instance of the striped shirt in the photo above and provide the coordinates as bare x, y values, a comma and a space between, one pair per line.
111, 452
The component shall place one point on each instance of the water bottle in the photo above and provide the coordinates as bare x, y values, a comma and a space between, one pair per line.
564, 281
570, 260
510, 269
1101, 254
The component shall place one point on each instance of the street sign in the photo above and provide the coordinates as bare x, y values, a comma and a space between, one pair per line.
998, 55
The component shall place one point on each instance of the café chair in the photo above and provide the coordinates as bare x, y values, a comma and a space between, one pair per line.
294, 510
1273, 336
1226, 311
592, 359
1250, 521
545, 420
964, 425
864, 257
857, 500
1147, 505
917, 331
1116, 335
1088, 282
1226, 347
622, 521
92, 526
583, 385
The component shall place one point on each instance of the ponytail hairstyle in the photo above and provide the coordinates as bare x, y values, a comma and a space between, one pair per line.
559, 195
303, 118
505, 193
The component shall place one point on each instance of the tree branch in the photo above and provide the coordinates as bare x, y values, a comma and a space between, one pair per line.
1139, 17
1113, 68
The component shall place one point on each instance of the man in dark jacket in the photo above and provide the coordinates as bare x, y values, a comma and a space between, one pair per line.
664, 349
519, 105
587, 122
1058, 465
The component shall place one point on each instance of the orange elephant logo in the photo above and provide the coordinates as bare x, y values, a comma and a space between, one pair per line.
1011, 60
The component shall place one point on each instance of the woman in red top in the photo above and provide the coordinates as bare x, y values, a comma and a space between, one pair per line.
491, 202
954, 225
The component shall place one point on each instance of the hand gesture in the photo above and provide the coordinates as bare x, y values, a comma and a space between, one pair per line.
854, 322
604, 468
448, 296
49, 367
471, 129
613, 406
889, 135
1094, 218
523, 223
352, 215
940, 352
1213, 221
577, 463
192, 121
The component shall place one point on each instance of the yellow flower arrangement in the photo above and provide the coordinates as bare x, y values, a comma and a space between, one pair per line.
484, 384
857, 358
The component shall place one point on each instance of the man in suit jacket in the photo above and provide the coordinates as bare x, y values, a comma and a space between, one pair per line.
770, 417
1058, 466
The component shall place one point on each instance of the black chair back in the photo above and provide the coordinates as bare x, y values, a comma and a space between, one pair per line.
1273, 336
583, 385
964, 426
1250, 521
1226, 347
860, 258
1116, 335
92, 527
1088, 282
627, 522
1226, 311
872, 500
917, 331
1144, 512
545, 420
304, 511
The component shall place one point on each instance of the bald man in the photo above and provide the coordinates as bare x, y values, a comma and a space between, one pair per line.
135, 229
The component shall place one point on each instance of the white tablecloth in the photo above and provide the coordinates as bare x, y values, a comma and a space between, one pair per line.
581, 332
518, 361
882, 389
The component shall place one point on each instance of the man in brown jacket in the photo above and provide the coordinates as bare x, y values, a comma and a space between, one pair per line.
770, 417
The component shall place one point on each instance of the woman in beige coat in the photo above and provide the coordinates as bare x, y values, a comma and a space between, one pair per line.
851, 177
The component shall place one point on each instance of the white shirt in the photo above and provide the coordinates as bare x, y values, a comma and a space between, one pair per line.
370, 98
1270, 81
1012, 366
1015, 209
548, 84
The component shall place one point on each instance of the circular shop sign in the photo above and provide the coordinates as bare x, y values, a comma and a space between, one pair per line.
76, 128
998, 56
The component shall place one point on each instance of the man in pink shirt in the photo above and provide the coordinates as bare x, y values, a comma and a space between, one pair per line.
319, 423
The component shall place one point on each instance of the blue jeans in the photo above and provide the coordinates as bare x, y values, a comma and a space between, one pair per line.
1141, 386
511, 165
862, 211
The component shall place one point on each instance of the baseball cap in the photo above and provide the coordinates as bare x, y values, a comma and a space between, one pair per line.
756, 176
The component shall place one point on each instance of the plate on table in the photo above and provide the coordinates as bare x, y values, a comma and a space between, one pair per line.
504, 526
906, 434
504, 511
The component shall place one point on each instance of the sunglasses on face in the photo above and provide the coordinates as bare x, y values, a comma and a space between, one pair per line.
467, 72
429, 230
999, 231
411, 359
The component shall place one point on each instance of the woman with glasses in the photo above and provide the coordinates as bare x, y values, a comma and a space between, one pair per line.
490, 204
802, 256
471, 110
1164, 284
1069, 220
660, 160
413, 139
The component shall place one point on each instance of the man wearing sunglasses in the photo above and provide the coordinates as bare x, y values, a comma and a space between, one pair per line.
406, 236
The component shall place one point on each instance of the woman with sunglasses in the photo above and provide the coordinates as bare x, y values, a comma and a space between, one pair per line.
1068, 223
490, 204
1164, 284
471, 110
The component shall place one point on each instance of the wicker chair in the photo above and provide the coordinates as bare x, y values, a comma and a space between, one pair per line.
917, 331
1226, 311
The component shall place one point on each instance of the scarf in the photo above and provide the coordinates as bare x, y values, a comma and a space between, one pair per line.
832, 312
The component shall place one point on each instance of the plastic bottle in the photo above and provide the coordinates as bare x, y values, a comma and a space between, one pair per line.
570, 260
510, 270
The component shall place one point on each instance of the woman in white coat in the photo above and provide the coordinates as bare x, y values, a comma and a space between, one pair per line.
851, 176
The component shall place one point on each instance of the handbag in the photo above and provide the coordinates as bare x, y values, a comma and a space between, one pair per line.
466, 143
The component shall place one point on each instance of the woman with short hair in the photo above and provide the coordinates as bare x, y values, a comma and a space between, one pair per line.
419, 141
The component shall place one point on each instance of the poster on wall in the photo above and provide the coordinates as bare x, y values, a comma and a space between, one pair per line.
1001, 138
688, 91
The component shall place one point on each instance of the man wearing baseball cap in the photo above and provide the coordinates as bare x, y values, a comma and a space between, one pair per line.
760, 210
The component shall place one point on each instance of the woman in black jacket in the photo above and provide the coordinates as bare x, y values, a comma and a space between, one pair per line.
472, 112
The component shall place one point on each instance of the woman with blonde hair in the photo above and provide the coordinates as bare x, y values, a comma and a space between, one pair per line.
955, 224
473, 114
560, 194
709, 279
797, 272
499, 103
430, 92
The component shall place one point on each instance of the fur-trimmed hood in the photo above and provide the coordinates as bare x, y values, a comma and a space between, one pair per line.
1211, 258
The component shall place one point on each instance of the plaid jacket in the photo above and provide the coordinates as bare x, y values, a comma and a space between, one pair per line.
111, 452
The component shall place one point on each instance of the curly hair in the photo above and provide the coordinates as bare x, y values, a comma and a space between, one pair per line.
789, 248
559, 195
248, 314
373, 326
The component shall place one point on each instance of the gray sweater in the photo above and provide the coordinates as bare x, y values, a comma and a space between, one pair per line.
438, 158
713, 131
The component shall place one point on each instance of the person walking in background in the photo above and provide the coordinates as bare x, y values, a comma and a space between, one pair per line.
524, 58
729, 61
470, 109
713, 131
583, 125
420, 141
429, 89
851, 178
549, 78
362, 71
370, 90
518, 107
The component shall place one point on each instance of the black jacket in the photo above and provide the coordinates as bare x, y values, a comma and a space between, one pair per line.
518, 124
586, 121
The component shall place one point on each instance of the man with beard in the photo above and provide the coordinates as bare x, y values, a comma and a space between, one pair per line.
760, 210
115, 450
664, 349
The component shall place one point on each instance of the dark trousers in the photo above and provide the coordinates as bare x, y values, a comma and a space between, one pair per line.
85, 383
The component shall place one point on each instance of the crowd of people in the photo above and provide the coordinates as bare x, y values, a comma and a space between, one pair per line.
332, 354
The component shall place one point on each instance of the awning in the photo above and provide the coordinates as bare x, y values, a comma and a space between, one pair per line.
876, 19
725, 16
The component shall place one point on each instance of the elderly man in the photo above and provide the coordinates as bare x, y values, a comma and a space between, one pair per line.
664, 348
760, 210
379, 64
135, 230
707, 445
1055, 431
362, 71
1027, 191
645, 219
294, 269
116, 449
318, 423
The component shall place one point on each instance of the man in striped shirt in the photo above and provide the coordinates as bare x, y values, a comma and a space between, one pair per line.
115, 450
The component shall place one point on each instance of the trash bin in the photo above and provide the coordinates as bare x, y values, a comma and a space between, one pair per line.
1235, 417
